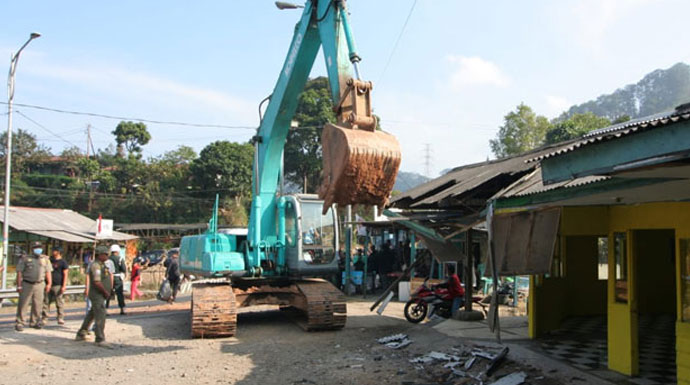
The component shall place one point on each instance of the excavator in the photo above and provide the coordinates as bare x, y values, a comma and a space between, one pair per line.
292, 240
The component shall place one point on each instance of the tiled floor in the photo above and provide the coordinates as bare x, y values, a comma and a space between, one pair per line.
581, 342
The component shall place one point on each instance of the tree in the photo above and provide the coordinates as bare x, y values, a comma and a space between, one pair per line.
26, 152
224, 165
522, 130
303, 151
575, 127
131, 136
181, 155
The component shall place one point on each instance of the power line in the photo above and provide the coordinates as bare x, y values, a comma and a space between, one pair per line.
397, 41
152, 121
44, 128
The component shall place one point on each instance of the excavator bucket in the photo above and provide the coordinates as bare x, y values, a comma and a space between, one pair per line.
359, 166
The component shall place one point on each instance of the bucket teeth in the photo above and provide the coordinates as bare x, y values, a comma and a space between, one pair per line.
359, 166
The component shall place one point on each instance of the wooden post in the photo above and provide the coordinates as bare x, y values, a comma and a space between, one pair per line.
469, 264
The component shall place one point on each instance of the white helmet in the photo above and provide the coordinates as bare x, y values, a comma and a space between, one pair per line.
115, 248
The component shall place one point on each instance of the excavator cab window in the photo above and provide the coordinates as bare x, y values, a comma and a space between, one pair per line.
318, 234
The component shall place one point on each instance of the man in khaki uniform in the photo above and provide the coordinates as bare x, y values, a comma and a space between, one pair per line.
33, 281
100, 286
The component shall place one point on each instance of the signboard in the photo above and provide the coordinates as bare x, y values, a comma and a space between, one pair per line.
104, 228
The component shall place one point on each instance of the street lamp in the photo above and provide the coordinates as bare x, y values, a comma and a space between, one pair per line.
8, 158
284, 5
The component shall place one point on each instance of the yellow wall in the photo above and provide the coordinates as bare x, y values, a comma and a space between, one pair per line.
579, 292
683, 352
548, 294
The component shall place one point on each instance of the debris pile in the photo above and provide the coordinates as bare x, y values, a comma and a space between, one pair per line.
462, 365
395, 341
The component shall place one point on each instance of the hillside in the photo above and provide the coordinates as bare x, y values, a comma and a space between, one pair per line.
408, 180
659, 91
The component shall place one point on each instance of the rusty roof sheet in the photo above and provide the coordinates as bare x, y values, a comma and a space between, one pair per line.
532, 184
681, 113
486, 177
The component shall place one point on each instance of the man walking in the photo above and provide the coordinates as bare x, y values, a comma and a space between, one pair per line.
119, 277
33, 281
172, 273
60, 277
100, 286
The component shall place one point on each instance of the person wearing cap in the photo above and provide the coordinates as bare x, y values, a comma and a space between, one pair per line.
60, 277
119, 277
34, 280
100, 286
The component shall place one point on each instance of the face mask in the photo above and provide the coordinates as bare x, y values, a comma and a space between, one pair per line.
38, 251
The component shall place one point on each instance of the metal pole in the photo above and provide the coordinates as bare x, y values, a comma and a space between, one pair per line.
8, 160
348, 249
8, 166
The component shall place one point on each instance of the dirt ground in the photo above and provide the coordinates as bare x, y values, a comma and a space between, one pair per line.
152, 346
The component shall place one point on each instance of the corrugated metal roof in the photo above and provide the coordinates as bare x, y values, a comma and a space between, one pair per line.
490, 177
61, 235
532, 184
61, 221
682, 113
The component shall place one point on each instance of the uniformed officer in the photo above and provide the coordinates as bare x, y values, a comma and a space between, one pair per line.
33, 282
100, 286
119, 277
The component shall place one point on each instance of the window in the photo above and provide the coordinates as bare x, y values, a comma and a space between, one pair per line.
318, 234
685, 278
620, 254
603, 258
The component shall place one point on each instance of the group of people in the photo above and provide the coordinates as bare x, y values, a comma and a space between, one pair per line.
42, 280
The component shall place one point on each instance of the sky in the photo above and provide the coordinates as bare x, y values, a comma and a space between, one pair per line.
459, 67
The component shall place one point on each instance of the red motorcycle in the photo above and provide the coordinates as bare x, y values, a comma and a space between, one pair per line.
424, 298
436, 298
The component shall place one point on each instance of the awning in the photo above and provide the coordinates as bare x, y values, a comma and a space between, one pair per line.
61, 235
443, 250
524, 242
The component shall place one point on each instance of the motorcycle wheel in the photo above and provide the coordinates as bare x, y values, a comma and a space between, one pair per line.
415, 312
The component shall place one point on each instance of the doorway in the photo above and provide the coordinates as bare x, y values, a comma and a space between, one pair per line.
654, 258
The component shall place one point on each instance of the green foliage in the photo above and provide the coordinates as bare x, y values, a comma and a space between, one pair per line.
576, 126
88, 167
522, 130
181, 155
131, 136
224, 167
303, 152
26, 152
233, 212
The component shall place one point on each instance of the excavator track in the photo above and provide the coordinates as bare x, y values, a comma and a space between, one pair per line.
214, 311
325, 307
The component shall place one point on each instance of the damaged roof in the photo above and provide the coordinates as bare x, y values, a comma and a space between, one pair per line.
532, 184
467, 188
681, 113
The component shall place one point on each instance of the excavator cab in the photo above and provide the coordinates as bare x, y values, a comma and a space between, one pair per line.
311, 237
360, 162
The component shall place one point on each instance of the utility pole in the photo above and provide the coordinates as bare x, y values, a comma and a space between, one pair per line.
8, 159
88, 139
427, 160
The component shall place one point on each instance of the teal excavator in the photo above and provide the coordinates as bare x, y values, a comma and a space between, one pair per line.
292, 240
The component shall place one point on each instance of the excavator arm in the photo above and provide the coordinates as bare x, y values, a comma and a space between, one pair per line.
360, 163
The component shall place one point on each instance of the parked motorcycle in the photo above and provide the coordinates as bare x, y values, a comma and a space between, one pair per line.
434, 300
424, 298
